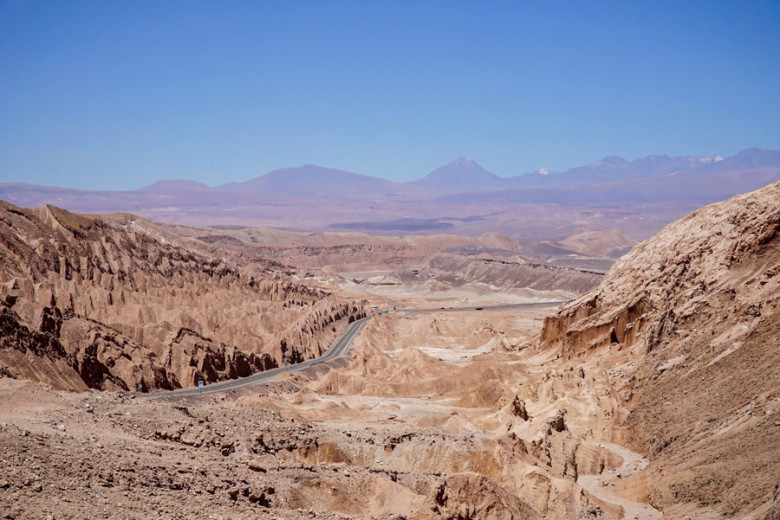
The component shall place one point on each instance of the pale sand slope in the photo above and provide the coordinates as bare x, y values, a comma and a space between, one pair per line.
462, 376
398, 431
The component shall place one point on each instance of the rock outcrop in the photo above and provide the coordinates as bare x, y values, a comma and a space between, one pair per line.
709, 255
687, 326
91, 302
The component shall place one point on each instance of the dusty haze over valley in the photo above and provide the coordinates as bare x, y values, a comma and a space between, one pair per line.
635, 197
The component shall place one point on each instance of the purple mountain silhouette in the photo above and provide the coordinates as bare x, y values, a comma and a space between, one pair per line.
461, 175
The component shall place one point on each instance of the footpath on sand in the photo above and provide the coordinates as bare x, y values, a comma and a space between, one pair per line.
600, 485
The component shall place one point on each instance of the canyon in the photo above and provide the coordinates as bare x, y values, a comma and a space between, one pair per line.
87, 303
637, 386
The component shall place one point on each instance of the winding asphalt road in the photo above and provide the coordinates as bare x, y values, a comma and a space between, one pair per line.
337, 350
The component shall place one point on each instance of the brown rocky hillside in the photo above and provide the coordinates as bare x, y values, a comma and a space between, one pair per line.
457, 271
89, 302
687, 327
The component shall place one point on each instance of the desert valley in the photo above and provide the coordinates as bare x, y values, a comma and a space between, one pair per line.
493, 378
349, 260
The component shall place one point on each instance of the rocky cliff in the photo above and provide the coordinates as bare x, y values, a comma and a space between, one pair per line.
687, 328
104, 303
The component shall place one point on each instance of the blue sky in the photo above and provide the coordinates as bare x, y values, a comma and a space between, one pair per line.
116, 95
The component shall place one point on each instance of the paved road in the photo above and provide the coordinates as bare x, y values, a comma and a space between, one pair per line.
335, 351
485, 307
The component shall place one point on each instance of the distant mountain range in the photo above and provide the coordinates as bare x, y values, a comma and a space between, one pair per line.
455, 196
615, 182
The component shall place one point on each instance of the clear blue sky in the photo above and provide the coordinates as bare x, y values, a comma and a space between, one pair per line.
118, 94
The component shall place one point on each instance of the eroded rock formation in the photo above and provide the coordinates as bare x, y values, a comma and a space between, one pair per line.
87, 303
688, 326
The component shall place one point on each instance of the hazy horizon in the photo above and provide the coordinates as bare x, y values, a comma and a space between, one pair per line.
227, 181
117, 96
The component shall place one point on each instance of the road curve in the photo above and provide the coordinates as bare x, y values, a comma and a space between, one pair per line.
335, 351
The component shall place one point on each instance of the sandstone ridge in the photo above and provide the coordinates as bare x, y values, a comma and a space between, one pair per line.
89, 303
689, 323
